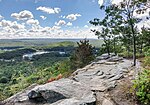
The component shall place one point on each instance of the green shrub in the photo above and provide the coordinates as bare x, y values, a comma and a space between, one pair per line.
4, 79
147, 61
83, 54
145, 49
147, 53
126, 54
32, 79
142, 87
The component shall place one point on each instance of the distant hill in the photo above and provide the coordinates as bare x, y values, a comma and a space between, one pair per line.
41, 42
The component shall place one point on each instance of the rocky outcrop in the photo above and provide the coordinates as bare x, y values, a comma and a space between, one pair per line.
61, 92
78, 89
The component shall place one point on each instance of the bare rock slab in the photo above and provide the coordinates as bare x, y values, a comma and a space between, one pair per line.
107, 102
61, 92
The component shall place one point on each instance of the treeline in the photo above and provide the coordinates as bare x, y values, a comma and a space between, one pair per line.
11, 48
60, 48
16, 54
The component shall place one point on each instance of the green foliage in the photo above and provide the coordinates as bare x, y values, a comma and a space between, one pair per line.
142, 87
147, 62
16, 54
83, 54
147, 53
20, 73
126, 54
147, 57
4, 79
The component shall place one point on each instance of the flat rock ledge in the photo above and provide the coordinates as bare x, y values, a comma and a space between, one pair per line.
80, 88
61, 92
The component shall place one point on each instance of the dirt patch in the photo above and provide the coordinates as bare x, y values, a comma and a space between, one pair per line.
122, 94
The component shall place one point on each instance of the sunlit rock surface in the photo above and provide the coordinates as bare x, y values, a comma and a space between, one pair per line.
79, 89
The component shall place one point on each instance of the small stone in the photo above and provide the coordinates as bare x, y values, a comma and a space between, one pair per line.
100, 73
117, 77
102, 76
110, 63
100, 89
107, 73
110, 76
23, 98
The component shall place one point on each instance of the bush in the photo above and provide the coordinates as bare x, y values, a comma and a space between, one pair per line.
147, 53
145, 49
4, 79
126, 54
147, 62
142, 87
32, 79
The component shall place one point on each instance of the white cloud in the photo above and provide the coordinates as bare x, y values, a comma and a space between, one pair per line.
142, 15
56, 27
1, 17
116, 1
17, 26
144, 23
100, 2
23, 15
10, 24
5, 23
32, 22
10, 29
57, 10
49, 10
60, 23
43, 17
69, 24
46, 32
86, 26
73, 17
62, 16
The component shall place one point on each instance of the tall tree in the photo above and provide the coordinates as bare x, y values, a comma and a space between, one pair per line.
83, 54
124, 14
129, 8
110, 23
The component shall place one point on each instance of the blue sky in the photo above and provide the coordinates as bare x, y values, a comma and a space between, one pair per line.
63, 15
52, 18
89, 9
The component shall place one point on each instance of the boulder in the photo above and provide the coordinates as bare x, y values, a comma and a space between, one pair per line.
61, 92
45, 96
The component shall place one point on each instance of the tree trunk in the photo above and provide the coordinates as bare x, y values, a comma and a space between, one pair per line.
115, 46
134, 39
134, 44
134, 50
107, 47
